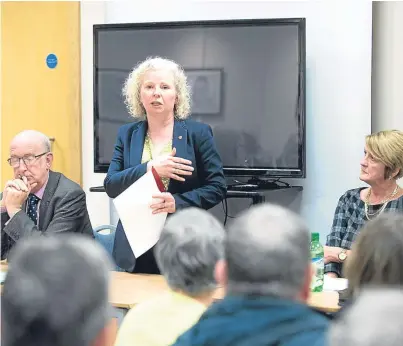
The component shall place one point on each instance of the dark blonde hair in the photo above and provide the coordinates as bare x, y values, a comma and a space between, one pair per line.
377, 254
387, 147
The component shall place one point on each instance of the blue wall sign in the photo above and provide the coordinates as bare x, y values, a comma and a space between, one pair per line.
51, 60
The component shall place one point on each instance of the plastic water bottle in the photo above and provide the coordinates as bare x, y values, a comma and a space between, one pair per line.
318, 263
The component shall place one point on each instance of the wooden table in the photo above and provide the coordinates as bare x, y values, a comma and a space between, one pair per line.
128, 290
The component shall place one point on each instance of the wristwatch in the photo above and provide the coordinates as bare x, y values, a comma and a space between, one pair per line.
342, 255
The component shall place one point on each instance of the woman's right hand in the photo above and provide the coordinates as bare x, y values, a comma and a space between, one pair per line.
170, 166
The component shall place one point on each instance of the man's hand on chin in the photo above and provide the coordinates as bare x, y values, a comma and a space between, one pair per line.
14, 200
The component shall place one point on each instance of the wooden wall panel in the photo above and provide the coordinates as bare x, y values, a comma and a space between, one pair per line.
33, 95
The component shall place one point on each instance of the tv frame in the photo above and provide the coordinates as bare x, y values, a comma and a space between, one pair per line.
270, 173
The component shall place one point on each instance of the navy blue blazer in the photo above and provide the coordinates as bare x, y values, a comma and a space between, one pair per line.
205, 188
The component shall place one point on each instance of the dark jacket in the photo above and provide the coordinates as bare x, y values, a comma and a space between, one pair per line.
257, 321
205, 188
63, 208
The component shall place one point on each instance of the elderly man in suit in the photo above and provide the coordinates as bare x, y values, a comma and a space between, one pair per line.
39, 201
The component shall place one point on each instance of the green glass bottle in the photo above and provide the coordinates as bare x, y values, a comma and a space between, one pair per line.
318, 263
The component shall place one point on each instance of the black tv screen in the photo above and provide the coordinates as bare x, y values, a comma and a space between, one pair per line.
247, 79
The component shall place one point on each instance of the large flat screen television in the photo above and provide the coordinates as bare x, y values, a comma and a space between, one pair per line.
247, 79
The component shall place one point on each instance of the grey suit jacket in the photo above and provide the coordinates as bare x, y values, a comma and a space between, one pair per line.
63, 208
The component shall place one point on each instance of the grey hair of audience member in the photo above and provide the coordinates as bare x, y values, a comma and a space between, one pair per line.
55, 292
190, 245
267, 252
376, 318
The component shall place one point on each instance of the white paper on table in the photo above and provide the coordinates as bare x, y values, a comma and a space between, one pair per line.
142, 227
2, 277
333, 284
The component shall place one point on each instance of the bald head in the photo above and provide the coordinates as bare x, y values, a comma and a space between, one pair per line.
31, 137
32, 148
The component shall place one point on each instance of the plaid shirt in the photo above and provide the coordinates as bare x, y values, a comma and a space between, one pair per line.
348, 220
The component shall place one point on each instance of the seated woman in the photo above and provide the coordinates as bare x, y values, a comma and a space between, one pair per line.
182, 151
191, 244
377, 256
381, 166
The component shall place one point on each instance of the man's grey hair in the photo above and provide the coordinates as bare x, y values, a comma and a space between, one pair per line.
190, 245
37, 135
267, 252
55, 292
375, 318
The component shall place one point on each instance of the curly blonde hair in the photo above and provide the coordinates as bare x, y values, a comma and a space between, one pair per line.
131, 88
387, 148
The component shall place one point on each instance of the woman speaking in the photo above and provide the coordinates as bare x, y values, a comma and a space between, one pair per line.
182, 151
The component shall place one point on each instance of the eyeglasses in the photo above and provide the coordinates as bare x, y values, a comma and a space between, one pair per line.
28, 160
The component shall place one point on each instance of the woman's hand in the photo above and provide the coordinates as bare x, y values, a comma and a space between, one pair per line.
170, 166
331, 254
165, 203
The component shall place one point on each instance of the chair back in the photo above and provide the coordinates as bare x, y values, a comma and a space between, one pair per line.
105, 235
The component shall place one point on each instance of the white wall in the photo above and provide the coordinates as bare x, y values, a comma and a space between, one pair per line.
387, 66
92, 12
338, 59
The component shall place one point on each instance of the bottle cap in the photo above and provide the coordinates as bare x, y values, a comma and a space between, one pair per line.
314, 236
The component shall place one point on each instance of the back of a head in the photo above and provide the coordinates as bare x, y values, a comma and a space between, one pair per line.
267, 252
376, 318
55, 292
190, 245
377, 256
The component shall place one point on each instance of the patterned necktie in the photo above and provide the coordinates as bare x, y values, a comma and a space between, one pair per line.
32, 207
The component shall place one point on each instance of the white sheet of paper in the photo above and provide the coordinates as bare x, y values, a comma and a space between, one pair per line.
2, 276
142, 228
332, 284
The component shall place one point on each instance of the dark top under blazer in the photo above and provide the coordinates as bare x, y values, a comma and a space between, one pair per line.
205, 188
63, 208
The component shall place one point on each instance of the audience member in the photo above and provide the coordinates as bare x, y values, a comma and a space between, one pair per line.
191, 244
375, 319
377, 256
267, 273
39, 201
56, 293
381, 166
